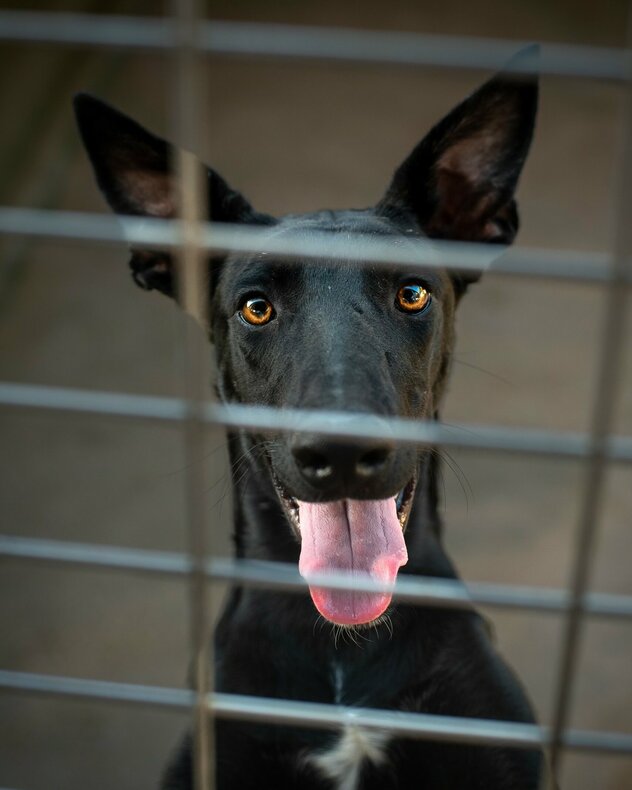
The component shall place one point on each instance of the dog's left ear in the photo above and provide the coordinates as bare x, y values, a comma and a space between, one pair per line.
459, 182
135, 171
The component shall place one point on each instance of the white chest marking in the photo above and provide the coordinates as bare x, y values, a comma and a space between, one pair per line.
343, 764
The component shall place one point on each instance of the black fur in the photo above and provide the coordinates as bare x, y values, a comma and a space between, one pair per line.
338, 341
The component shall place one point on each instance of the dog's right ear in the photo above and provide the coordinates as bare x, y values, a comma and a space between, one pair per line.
459, 182
136, 172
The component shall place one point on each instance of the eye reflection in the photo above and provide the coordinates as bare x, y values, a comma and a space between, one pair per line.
412, 298
257, 311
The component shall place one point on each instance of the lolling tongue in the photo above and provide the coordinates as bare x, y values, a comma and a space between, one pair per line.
360, 537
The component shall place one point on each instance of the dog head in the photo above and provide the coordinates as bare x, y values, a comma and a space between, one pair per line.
330, 335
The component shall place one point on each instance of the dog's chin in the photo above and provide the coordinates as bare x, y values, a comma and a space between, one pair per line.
374, 528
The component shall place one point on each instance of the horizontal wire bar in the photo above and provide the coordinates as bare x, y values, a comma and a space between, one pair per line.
422, 726
135, 693
352, 248
354, 425
252, 39
110, 404
95, 30
366, 427
409, 49
421, 590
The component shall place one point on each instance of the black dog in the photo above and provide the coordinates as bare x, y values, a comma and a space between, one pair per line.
333, 336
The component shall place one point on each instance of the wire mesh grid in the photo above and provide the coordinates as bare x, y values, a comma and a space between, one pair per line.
189, 37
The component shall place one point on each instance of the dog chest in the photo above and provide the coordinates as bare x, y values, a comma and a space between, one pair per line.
343, 763
356, 746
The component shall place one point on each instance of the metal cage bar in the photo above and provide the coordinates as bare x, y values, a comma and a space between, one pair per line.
189, 126
593, 491
426, 591
310, 42
153, 408
353, 248
321, 716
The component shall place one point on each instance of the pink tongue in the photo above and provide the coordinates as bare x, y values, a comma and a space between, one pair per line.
360, 537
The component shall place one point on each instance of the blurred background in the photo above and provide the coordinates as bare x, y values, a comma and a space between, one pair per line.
292, 136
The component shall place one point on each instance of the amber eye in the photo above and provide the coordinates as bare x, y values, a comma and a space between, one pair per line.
412, 298
257, 311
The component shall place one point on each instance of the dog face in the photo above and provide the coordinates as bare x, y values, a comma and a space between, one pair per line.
331, 335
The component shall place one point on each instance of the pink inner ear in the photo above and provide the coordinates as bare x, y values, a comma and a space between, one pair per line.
474, 156
467, 199
152, 192
463, 208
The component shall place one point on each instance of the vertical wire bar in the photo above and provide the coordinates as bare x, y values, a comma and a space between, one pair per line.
596, 465
188, 123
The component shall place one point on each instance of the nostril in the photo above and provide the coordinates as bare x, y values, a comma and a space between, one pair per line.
373, 461
312, 463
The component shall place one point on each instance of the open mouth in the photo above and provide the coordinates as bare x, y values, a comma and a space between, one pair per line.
363, 538
403, 503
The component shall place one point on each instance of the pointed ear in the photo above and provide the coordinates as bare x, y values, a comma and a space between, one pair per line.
136, 173
459, 182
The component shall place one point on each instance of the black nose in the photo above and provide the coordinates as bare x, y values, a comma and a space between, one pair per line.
328, 465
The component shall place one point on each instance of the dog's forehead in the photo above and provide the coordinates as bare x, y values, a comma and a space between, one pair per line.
362, 221
345, 225
348, 224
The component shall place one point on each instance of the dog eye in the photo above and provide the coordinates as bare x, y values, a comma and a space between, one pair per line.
257, 311
412, 298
